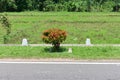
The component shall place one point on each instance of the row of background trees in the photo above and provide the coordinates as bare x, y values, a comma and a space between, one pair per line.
59, 5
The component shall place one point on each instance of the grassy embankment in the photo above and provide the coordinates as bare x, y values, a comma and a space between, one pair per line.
102, 28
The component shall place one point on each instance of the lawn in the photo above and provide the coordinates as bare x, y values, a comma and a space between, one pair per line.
101, 28
28, 52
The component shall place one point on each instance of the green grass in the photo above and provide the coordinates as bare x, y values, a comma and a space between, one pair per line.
102, 28
43, 52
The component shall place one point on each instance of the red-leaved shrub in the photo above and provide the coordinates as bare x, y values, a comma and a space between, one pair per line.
54, 37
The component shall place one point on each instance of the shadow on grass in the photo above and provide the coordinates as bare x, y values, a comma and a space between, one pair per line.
52, 50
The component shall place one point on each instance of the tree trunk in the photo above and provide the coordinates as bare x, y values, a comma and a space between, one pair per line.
56, 47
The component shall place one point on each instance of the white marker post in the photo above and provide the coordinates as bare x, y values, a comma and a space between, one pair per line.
88, 42
70, 50
24, 42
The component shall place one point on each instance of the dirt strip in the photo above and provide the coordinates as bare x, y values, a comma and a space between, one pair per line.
62, 45
59, 60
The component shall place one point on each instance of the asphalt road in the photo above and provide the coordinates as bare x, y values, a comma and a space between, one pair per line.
31, 71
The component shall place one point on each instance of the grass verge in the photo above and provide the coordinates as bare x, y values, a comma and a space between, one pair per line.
43, 52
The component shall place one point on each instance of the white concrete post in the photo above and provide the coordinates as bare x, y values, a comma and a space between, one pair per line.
88, 42
24, 42
70, 50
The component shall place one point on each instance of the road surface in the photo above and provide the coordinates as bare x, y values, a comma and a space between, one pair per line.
59, 71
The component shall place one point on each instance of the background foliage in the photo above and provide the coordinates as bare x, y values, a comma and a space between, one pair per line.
59, 5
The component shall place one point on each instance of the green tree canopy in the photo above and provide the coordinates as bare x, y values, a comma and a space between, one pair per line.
59, 5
